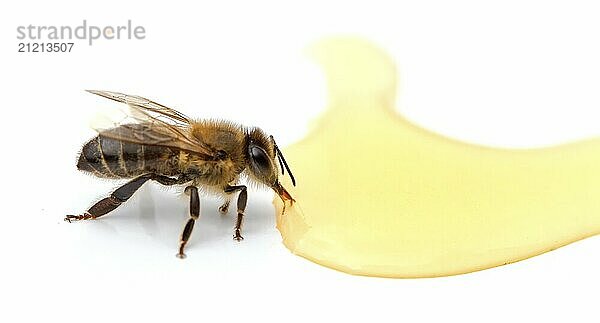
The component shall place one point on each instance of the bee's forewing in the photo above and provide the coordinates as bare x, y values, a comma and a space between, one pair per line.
109, 118
160, 125
153, 109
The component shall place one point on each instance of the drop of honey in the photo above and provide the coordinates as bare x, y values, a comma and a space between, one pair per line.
380, 196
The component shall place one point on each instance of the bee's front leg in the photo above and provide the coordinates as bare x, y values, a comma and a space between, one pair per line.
241, 208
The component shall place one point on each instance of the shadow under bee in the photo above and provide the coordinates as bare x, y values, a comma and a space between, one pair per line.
157, 211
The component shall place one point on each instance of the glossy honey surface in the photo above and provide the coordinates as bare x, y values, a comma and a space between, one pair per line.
380, 196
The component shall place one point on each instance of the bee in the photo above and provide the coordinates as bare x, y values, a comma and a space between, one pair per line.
164, 145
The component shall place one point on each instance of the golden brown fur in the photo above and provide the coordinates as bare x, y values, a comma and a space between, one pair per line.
222, 136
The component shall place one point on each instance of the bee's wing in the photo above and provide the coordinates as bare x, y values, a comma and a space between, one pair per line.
150, 107
153, 124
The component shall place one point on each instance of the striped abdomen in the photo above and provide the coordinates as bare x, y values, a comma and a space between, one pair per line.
106, 157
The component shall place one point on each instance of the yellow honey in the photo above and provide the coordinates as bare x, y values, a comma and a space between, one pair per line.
380, 196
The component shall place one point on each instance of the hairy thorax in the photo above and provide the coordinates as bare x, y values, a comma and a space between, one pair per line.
226, 138
213, 173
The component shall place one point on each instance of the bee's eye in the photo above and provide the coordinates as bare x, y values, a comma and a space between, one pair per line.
260, 160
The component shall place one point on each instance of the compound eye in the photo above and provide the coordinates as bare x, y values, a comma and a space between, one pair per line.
260, 160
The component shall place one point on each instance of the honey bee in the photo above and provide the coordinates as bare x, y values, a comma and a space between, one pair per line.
164, 145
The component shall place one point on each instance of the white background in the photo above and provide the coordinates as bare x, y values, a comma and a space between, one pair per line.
515, 74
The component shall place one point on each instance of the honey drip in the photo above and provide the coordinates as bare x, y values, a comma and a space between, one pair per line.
380, 196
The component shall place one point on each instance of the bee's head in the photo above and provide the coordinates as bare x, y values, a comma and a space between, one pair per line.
261, 153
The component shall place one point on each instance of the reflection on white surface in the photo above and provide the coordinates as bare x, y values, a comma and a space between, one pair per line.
157, 215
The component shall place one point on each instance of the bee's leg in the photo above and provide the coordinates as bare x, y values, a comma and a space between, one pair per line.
119, 196
225, 207
241, 208
194, 214
110, 203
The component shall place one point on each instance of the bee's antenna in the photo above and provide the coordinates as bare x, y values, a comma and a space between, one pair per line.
282, 162
282, 159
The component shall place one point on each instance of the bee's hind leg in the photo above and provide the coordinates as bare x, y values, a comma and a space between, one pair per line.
194, 215
241, 208
119, 196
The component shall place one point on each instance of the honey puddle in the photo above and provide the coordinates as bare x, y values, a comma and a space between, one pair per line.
379, 196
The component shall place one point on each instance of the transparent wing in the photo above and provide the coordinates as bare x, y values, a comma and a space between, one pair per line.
152, 123
148, 106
